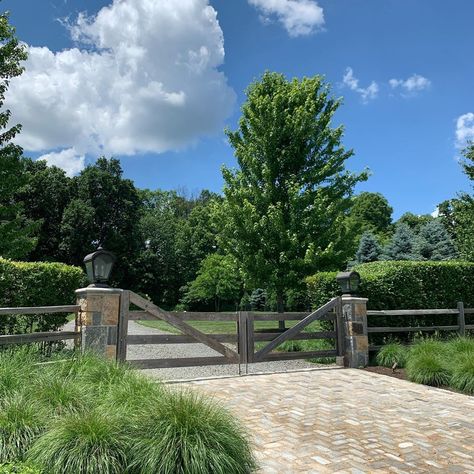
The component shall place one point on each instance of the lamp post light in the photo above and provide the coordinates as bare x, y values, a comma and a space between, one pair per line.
349, 282
99, 265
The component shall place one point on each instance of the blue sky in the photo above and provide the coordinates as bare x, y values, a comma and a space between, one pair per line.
404, 68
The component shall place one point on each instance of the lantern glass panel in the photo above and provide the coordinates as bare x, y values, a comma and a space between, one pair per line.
90, 271
103, 266
354, 282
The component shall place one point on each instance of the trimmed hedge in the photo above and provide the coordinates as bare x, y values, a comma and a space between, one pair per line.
36, 284
403, 285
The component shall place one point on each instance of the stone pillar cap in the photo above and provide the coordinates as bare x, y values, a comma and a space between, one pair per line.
98, 291
355, 299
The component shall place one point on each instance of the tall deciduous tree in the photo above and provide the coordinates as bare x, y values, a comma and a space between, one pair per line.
16, 231
285, 204
373, 212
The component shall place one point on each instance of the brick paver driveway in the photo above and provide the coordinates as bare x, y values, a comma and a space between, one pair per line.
350, 421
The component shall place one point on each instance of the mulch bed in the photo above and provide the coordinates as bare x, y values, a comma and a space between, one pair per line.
397, 373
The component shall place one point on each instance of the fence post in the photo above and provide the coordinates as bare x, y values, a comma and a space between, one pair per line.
242, 340
356, 341
339, 326
98, 320
250, 338
461, 319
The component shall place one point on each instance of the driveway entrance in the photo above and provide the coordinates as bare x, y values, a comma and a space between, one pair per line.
350, 421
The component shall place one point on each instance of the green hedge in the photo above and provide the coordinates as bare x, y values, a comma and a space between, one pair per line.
403, 285
36, 284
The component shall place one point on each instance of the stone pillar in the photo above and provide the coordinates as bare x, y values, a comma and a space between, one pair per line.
98, 320
356, 342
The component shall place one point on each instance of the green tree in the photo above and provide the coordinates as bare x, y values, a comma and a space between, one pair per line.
402, 245
434, 242
217, 281
415, 222
373, 212
105, 210
285, 207
45, 198
16, 231
369, 248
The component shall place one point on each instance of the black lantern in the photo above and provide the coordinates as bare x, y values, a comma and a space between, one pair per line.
349, 282
98, 267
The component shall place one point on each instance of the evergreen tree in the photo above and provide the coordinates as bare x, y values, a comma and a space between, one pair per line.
258, 299
402, 245
434, 243
369, 249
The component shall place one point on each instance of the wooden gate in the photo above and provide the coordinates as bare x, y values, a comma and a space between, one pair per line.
242, 342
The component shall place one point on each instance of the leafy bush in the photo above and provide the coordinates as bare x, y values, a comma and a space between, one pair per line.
463, 373
89, 415
36, 284
391, 354
428, 363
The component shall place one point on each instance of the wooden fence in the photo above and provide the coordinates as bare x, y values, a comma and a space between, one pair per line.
460, 312
49, 336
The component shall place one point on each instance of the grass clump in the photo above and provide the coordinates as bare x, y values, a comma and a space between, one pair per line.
18, 468
428, 363
187, 433
393, 354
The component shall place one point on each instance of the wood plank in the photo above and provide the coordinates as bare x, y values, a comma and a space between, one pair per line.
461, 319
185, 316
40, 309
242, 338
176, 339
331, 316
178, 362
468, 310
412, 329
304, 336
39, 337
297, 328
340, 338
298, 355
470, 326
412, 312
183, 327
122, 332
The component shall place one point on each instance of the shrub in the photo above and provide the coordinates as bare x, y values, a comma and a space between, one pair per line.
186, 433
428, 363
463, 373
403, 284
36, 284
391, 354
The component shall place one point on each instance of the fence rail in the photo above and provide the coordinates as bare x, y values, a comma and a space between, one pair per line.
32, 337
461, 327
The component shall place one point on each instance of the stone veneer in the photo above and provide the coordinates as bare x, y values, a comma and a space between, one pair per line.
98, 320
356, 342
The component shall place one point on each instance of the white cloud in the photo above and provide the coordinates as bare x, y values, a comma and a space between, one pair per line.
412, 85
366, 93
143, 78
299, 17
464, 129
69, 160
435, 213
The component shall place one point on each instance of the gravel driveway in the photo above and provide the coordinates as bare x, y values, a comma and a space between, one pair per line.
165, 351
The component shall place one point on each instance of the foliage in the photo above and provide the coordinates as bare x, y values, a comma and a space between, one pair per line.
18, 468
258, 299
369, 249
36, 284
284, 208
373, 213
434, 242
391, 354
402, 244
403, 285
120, 421
218, 280
104, 210
428, 363
16, 231
413, 221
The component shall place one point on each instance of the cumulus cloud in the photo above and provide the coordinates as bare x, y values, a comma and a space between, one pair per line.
69, 160
143, 77
367, 93
412, 85
298, 17
464, 129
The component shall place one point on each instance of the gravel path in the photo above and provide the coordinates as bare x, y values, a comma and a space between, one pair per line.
164, 351
167, 351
